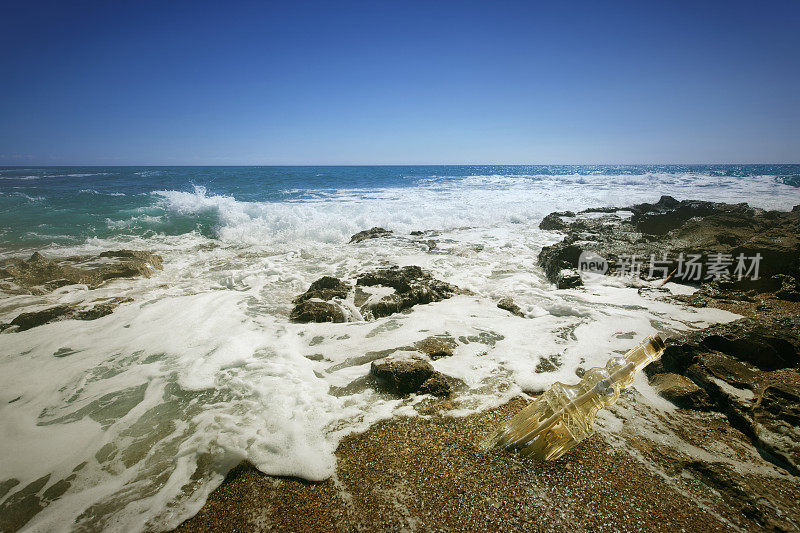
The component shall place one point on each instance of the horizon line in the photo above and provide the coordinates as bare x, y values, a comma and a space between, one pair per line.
274, 165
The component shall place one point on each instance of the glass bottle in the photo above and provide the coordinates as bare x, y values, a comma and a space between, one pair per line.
564, 415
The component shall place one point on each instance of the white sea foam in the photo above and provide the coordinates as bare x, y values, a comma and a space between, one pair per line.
143, 411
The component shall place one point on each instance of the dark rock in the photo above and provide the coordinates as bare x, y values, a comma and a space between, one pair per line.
685, 227
750, 370
316, 311
548, 364
101, 309
372, 233
682, 391
325, 288
508, 304
553, 221
40, 275
32, 319
412, 286
437, 347
569, 278
403, 374
788, 288
558, 257
417, 233
436, 385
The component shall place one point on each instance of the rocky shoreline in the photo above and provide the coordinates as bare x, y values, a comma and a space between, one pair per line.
40, 276
723, 454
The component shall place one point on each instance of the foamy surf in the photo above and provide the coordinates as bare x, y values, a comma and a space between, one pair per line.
128, 421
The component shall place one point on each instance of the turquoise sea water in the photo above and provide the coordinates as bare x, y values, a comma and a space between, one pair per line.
67, 205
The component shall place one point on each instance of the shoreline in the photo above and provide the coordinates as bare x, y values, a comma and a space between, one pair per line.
701, 464
429, 474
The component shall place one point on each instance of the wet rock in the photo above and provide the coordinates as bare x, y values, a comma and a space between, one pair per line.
325, 288
29, 320
740, 493
101, 309
558, 257
32, 319
402, 373
788, 288
417, 233
548, 364
412, 286
138, 255
553, 221
317, 311
508, 304
751, 370
39, 275
436, 385
569, 278
372, 233
437, 347
682, 391
685, 227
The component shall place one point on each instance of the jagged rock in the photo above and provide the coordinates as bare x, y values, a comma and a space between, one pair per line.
412, 286
507, 304
788, 288
436, 385
750, 368
569, 278
32, 319
41, 275
372, 233
558, 257
325, 288
316, 311
437, 347
682, 391
553, 221
417, 233
403, 373
685, 227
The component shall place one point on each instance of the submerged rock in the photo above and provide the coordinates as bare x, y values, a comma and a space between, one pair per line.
32, 319
39, 275
437, 346
372, 233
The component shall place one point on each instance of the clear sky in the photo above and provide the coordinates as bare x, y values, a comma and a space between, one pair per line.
224, 83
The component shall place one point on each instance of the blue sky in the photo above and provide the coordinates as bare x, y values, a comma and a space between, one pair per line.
113, 83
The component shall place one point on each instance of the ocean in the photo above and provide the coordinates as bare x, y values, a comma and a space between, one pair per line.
127, 422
